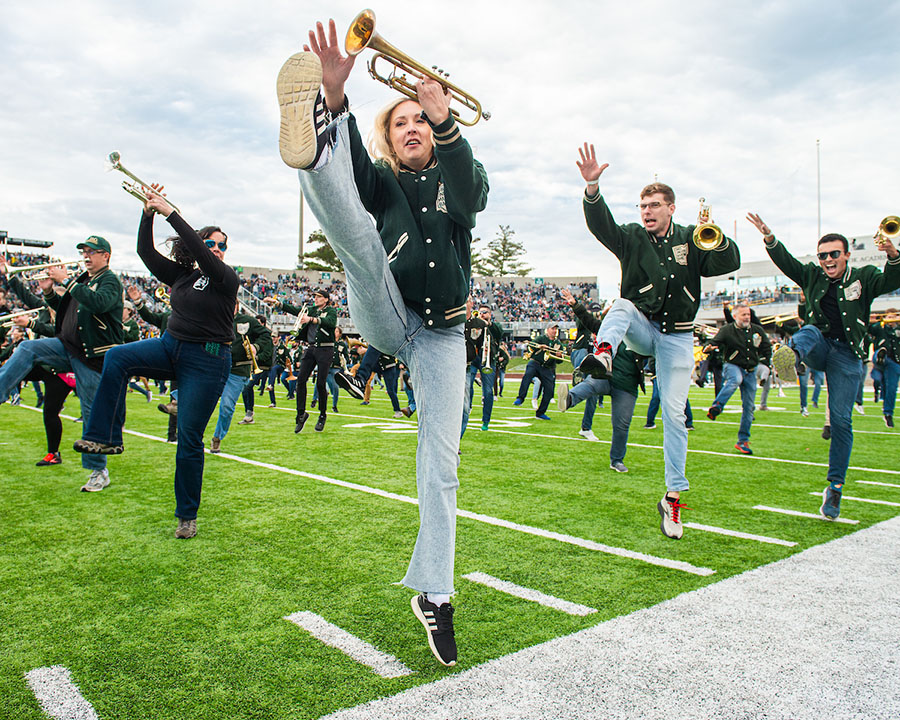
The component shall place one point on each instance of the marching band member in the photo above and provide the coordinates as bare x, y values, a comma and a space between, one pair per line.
661, 270
887, 357
195, 350
478, 326
838, 299
407, 280
542, 365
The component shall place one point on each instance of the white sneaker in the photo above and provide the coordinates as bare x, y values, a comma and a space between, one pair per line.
247, 419
399, 415
804, 412
781, 393
534, 403
670, 512
98, 480
859, 409
149, 396
589, 435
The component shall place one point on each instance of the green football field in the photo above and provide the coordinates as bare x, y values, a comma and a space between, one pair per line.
153, 627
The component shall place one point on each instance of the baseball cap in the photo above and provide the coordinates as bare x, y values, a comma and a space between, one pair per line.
95, 242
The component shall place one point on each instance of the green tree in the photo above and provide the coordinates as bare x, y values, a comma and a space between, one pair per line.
504, 256
479, 266
323, 257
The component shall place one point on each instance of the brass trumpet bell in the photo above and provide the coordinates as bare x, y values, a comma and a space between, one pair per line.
137, 187
362, 35
707, 235
889, 227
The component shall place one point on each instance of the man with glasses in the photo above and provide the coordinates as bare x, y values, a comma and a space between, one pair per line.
661, 270
88, 323
838, 300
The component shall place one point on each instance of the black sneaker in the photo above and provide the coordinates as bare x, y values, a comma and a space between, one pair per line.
89, 447
305, 134
51, 458
351, 384
826, 432
889, 420
301, 421
438, 623
320, 425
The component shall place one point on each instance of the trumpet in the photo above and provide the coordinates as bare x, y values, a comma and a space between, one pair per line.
888, 229
162, 294
7, 320
138, 188
73, 266
362, 35
707, 235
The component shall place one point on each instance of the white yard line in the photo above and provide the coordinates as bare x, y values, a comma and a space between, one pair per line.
864, 500
738, 534
58, 695
797, 513
873, 482
525, 593
362, 652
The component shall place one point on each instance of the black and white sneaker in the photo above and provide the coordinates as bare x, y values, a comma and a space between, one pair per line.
438, 623
320, 425
301, 421
305, 134
598, 365
352, 384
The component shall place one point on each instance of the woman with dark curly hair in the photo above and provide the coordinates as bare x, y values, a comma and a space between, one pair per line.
195, 350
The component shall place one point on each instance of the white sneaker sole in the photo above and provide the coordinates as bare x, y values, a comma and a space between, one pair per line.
298, 84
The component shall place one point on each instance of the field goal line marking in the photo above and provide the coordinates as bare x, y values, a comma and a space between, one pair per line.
864, 500
525, 593
797, 513
381, 663
57, 695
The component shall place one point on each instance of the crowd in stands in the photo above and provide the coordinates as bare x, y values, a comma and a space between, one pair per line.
532, 303
296, 290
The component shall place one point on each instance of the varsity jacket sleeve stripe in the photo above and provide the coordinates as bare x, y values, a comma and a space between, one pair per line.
464, 178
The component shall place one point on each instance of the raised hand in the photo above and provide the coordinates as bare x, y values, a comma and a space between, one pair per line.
434, 99
760, 225
567, 296
335, 67
590, 169
134, 293
156, 200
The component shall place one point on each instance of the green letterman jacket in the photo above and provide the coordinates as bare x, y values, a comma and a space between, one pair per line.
856, 290
425, 220
99, 310
744, 347
258, 335
324, 328
887, 338
661, 276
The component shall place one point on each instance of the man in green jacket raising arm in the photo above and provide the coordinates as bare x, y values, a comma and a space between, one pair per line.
661, 269
838, 300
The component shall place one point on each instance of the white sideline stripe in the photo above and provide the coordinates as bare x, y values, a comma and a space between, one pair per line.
864, 500
873, 482
525, 593
58, 695
738, 534
797, 513
380, 662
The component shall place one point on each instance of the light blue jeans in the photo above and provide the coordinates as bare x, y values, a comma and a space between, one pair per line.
234, 386
52, 352
436, 359
736, 377
674, 353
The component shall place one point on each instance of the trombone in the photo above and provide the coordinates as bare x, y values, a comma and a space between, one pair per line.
888, 229
707, 235
362, 35
6, 321
138, 188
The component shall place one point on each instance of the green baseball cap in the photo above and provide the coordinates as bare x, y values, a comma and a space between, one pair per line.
95, 242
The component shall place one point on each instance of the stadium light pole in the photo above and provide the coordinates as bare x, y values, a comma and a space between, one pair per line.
818, 193
300, 238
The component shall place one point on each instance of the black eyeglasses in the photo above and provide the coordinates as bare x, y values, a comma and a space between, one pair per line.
212, 243
833, 254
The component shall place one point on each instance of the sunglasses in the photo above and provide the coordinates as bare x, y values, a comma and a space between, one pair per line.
212, 243
833, 254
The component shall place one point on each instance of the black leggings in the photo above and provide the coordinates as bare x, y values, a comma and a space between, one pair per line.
55, 393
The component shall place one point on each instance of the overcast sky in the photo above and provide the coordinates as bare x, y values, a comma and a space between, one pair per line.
721, 100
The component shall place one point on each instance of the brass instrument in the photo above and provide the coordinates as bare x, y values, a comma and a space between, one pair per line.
549, 352
778, 319
888, 229
138, 188
162, 295
707, 235
68, 264
7, 320
486, 351
362, 35
242, 329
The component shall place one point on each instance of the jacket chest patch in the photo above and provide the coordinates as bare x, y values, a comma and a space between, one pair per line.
680, 252
201, 282
853, 291
440, 204
475, 333
242, 328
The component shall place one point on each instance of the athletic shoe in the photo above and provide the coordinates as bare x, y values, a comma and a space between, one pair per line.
781, 393
438, 624
650, 426
89, 447
406, 412
271, 405
351, 384
889, 420
598, 365
51, 458
16, 399
714, 412
804, 412
80, 419
170, 408
98, 480
816, 405
214, 445
399, 414
826, 432
365, 402
313, 403
484, 426
563, 401
304, 135
618, 466
247, 419
589, 435
859, 408
670, 512
517, 401
689, 427
320, 425
784, 360
534, 403
40, 402
542, 417
743, 447
149, 396
763, 407
831, 502
301, 421
334, 409
186, 529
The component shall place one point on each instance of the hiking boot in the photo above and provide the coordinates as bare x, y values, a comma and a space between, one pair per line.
186, 528
438, 624
51, 458
618, 466
831, 501
214, 445
301, 421
320, 425
563, 401
589, 435
598, 365
247, 419
305, 139
89, 447
743, 448
98, 480
170, 408
670, 512
351, 384
784, 360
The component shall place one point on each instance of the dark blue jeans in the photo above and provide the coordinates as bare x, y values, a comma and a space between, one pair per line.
547, 378
200, 371
842, 372
653, 406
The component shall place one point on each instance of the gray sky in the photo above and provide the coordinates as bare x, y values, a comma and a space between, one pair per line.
721, 100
